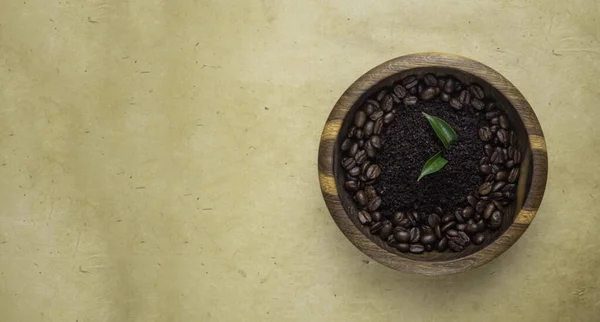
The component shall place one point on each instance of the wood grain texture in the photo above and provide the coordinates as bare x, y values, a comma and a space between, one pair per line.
534, 167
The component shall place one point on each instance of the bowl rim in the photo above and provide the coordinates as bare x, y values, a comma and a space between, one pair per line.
400, 64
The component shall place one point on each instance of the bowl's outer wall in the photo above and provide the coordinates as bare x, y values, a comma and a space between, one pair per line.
536, 146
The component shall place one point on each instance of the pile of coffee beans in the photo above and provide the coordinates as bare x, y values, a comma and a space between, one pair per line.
412, 229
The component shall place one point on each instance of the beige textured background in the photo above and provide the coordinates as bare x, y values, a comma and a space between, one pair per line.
158, 159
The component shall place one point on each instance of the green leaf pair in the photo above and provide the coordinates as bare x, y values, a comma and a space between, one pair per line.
447, 135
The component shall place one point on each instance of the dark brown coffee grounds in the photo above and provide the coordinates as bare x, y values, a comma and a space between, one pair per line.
409, 141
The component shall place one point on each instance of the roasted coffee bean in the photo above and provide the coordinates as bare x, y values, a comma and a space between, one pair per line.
495, 120
437, 231
410, 100
461, 226
501, 176
413, 216
420, 88
449, 86
468, 212
438, 210
364, 167
490, 177
484, 160
359, 134
402, 236
485, 134
509, 195
353, 149
454, 246
445, 97
448, 225
495, 195
477, 91
397, 217
410, 81
368, 128
415, 235
472, 200
514, 175
458, 86
485, 188
346, 144
376, 216
495, 169
417, 248
403, 247
428, 94
458, 215
354, 171
430, 80
477, 104
374, 204
498, 185
428, 239
348, 163
503, 121
400, 91
509, 187
442, 244
447, 218
485, 169
465, 97
386, 230
376, 115
369, 109
388, 118
480, 225
361, 143
491, 114
360, 157
377, 127
456, 104
376, 228
391, 240
396, 99
405, 223
373, 172
359, 119
370, 192
361, 198
478, 239
489, 210
471, 228
496, 157
370, 149
376, 142
364, 217
434, 220
352, 131
494, 129
517, 157
510, 164
381, 95
351, 185
464, 238
496, 219
452, 233
387, 103
489, 149
502, 135
441, 82
481, 204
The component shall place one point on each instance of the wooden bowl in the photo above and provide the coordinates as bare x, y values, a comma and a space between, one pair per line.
532, 145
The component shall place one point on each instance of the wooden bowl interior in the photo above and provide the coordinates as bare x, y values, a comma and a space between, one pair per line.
523, 145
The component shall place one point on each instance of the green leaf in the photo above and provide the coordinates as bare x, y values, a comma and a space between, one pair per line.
433, 165
443, 130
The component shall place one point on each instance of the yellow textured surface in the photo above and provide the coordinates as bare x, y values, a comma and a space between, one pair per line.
158, 159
